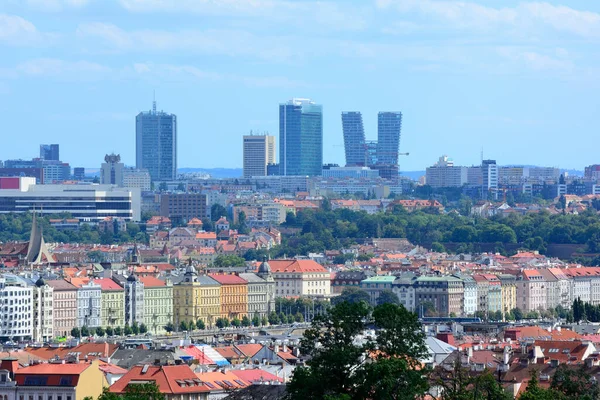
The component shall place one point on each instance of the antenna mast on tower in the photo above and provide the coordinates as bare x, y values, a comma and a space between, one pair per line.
154, 101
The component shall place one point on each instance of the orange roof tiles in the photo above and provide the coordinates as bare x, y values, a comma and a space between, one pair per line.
170, 379
302, 266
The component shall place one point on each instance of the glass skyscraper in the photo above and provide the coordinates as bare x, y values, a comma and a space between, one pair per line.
49, 152
354, 139
389, 125
156, 144
300, 138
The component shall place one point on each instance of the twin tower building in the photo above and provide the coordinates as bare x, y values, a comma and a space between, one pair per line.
301, 143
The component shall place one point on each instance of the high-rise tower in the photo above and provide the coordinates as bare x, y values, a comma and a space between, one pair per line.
300, 138
389, 125
354, 139
156, 144
259, 151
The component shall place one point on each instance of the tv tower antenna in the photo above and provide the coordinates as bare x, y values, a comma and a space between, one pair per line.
154, 101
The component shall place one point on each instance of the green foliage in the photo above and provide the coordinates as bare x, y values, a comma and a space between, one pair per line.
85, 331
169, 327
143, 328
127, 330
274, 318
118, 331
109, 331
75, 332
17, 227
141, 391
388, 297
336, 369
222, 323
135, 328
460, 384
246, 321
217, 211
236, 322
229, 260
200, 324
264, 321
334, 229
256, 319
517, 313
99, 332
351, 295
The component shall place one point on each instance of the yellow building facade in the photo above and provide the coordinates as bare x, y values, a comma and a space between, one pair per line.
196, 298
113, 303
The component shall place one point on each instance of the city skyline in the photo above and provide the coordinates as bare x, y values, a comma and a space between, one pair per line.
467, 75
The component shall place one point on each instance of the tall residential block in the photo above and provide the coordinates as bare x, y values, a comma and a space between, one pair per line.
259, 151
300, 138
49, 152
156, 144
389, 125
355, 146
111, 170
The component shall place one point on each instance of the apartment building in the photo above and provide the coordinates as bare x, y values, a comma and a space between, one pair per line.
64, 298
158, 303
445, 293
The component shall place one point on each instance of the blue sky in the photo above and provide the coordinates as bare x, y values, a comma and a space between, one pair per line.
518, 79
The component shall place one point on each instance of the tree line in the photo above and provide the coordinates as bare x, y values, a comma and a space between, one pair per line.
327, 229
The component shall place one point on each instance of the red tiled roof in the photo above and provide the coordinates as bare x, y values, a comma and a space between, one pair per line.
150, 281
91, 350
296, 266
107, 284
170, 379
223, 380
250, 349
256, 375
228, 279
56, 374
206, 235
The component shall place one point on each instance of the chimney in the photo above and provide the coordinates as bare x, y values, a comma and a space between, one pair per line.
11, 365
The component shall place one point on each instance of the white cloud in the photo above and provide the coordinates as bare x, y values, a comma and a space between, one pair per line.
15, 30
210, 41
524, 17
537, 61
316, 14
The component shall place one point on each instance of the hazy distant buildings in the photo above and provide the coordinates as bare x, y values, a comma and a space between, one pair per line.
184, 206
489, 173
137, 179
445, 174
49, 152
79, 173
259, 151
111, 171
354, 139
300, 138
156, 144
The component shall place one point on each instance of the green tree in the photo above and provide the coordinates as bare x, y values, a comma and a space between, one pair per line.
245, 321
135, 328
393, 370
256, 319
183, 326
85, 331
351, 295
574, 383
127, 331
387, 296
118, 331
110, 331
143, 328
535, 392
517, 313
273, 318
217, 211
169, 327
229, 260
264, 321
99, 332
236, 322
75, 332
200, 324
